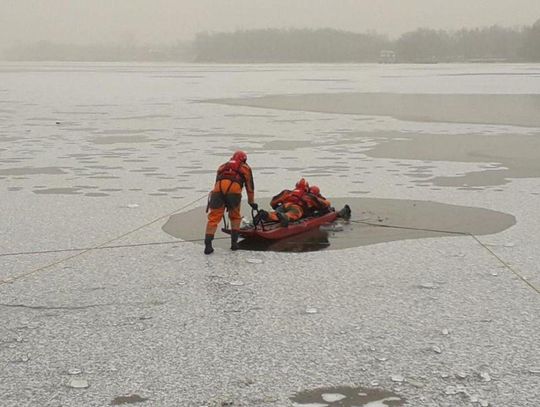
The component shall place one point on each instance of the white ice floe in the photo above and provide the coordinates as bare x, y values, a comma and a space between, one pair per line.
311, 310
332, 397
78, 383
485, 376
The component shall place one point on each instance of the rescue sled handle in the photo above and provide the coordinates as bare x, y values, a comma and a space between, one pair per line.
254, 214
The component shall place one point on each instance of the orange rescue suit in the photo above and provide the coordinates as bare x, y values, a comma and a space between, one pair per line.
227, 194
296, 204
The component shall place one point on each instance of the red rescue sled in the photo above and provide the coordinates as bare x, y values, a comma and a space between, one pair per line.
274, 230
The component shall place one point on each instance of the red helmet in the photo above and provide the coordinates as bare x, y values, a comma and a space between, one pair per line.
315, 190
302, 185
239, 156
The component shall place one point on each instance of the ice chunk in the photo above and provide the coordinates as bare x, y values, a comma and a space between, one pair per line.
74, 371
132, 205
79, 383
397, 378
311, 310
332, 397
254, 261
331, 227
485, 376
450, 391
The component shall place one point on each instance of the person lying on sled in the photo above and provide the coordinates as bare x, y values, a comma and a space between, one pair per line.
290, 206
320, 203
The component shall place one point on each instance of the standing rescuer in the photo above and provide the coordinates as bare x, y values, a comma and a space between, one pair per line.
227, 194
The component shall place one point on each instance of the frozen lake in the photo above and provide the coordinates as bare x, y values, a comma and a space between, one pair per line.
94, 154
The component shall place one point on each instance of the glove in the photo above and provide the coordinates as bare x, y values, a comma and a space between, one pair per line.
254, 206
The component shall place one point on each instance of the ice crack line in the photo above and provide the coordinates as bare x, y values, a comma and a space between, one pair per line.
76, 307
120, 246
45, 307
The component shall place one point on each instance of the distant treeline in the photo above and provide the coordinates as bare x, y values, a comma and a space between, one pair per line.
48, 51
303, 45
327, 45
271, 45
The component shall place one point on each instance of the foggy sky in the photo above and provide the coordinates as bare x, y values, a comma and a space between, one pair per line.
166, 21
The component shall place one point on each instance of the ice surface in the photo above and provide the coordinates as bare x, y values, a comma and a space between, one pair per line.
134, 317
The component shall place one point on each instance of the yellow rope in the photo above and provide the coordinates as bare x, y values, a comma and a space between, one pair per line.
11, 279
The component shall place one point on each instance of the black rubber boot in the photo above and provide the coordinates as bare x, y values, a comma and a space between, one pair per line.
208, 249
234, 240
345, 213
